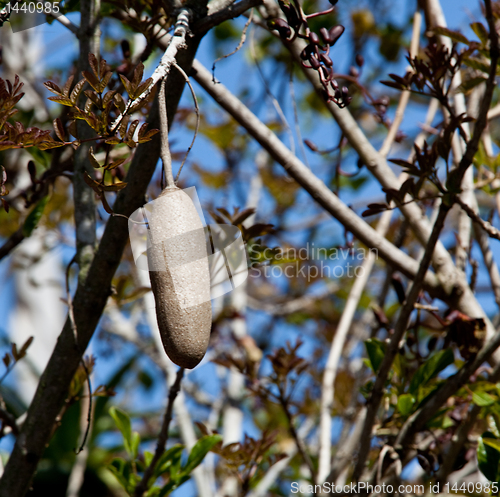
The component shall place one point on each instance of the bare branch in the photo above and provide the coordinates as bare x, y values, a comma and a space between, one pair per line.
165, 155
84, 196
177, 42
14, 240
330, 371
226, 13
405, 95
143, 485
485, 225
489, 262
303, 175
65, 22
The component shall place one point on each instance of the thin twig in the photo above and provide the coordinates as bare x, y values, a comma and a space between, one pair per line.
143, 485
240, 44
332, 363
485, 225
296, 119
87, 373
166, 157
405, 95
197, 126
274, 100
298, 440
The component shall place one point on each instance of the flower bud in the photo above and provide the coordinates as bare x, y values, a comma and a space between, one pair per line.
336, 33
325, 35
281, 26
326, 60
304, 55
314, 62
314, 38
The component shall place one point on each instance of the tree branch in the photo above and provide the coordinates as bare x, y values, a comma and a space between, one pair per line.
485, 225
304, 176
14, 240
489, 262
393, 347
215, 18
143, 485
83, 195
453, 281
330, 371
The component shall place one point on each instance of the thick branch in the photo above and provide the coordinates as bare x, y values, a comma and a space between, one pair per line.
14, 240
304, 176
224, 14
84, 196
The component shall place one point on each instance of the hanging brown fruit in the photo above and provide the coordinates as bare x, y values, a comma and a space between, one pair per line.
180, 277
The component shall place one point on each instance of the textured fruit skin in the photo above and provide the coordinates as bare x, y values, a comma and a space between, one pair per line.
180, 277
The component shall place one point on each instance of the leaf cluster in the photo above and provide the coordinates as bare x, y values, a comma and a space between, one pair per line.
102, 107
170, 468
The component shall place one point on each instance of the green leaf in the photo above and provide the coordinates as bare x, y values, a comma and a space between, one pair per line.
134, 446
122, 422
172, 485
115, 187
34, 217
148, 457
93, 161
454, 35
405, 404
171, 457
468, 85
492, 442
433, 366
153, 492
488, 457
118, 467
376, 350
482, 399
199, 451
477, 64
481, 32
